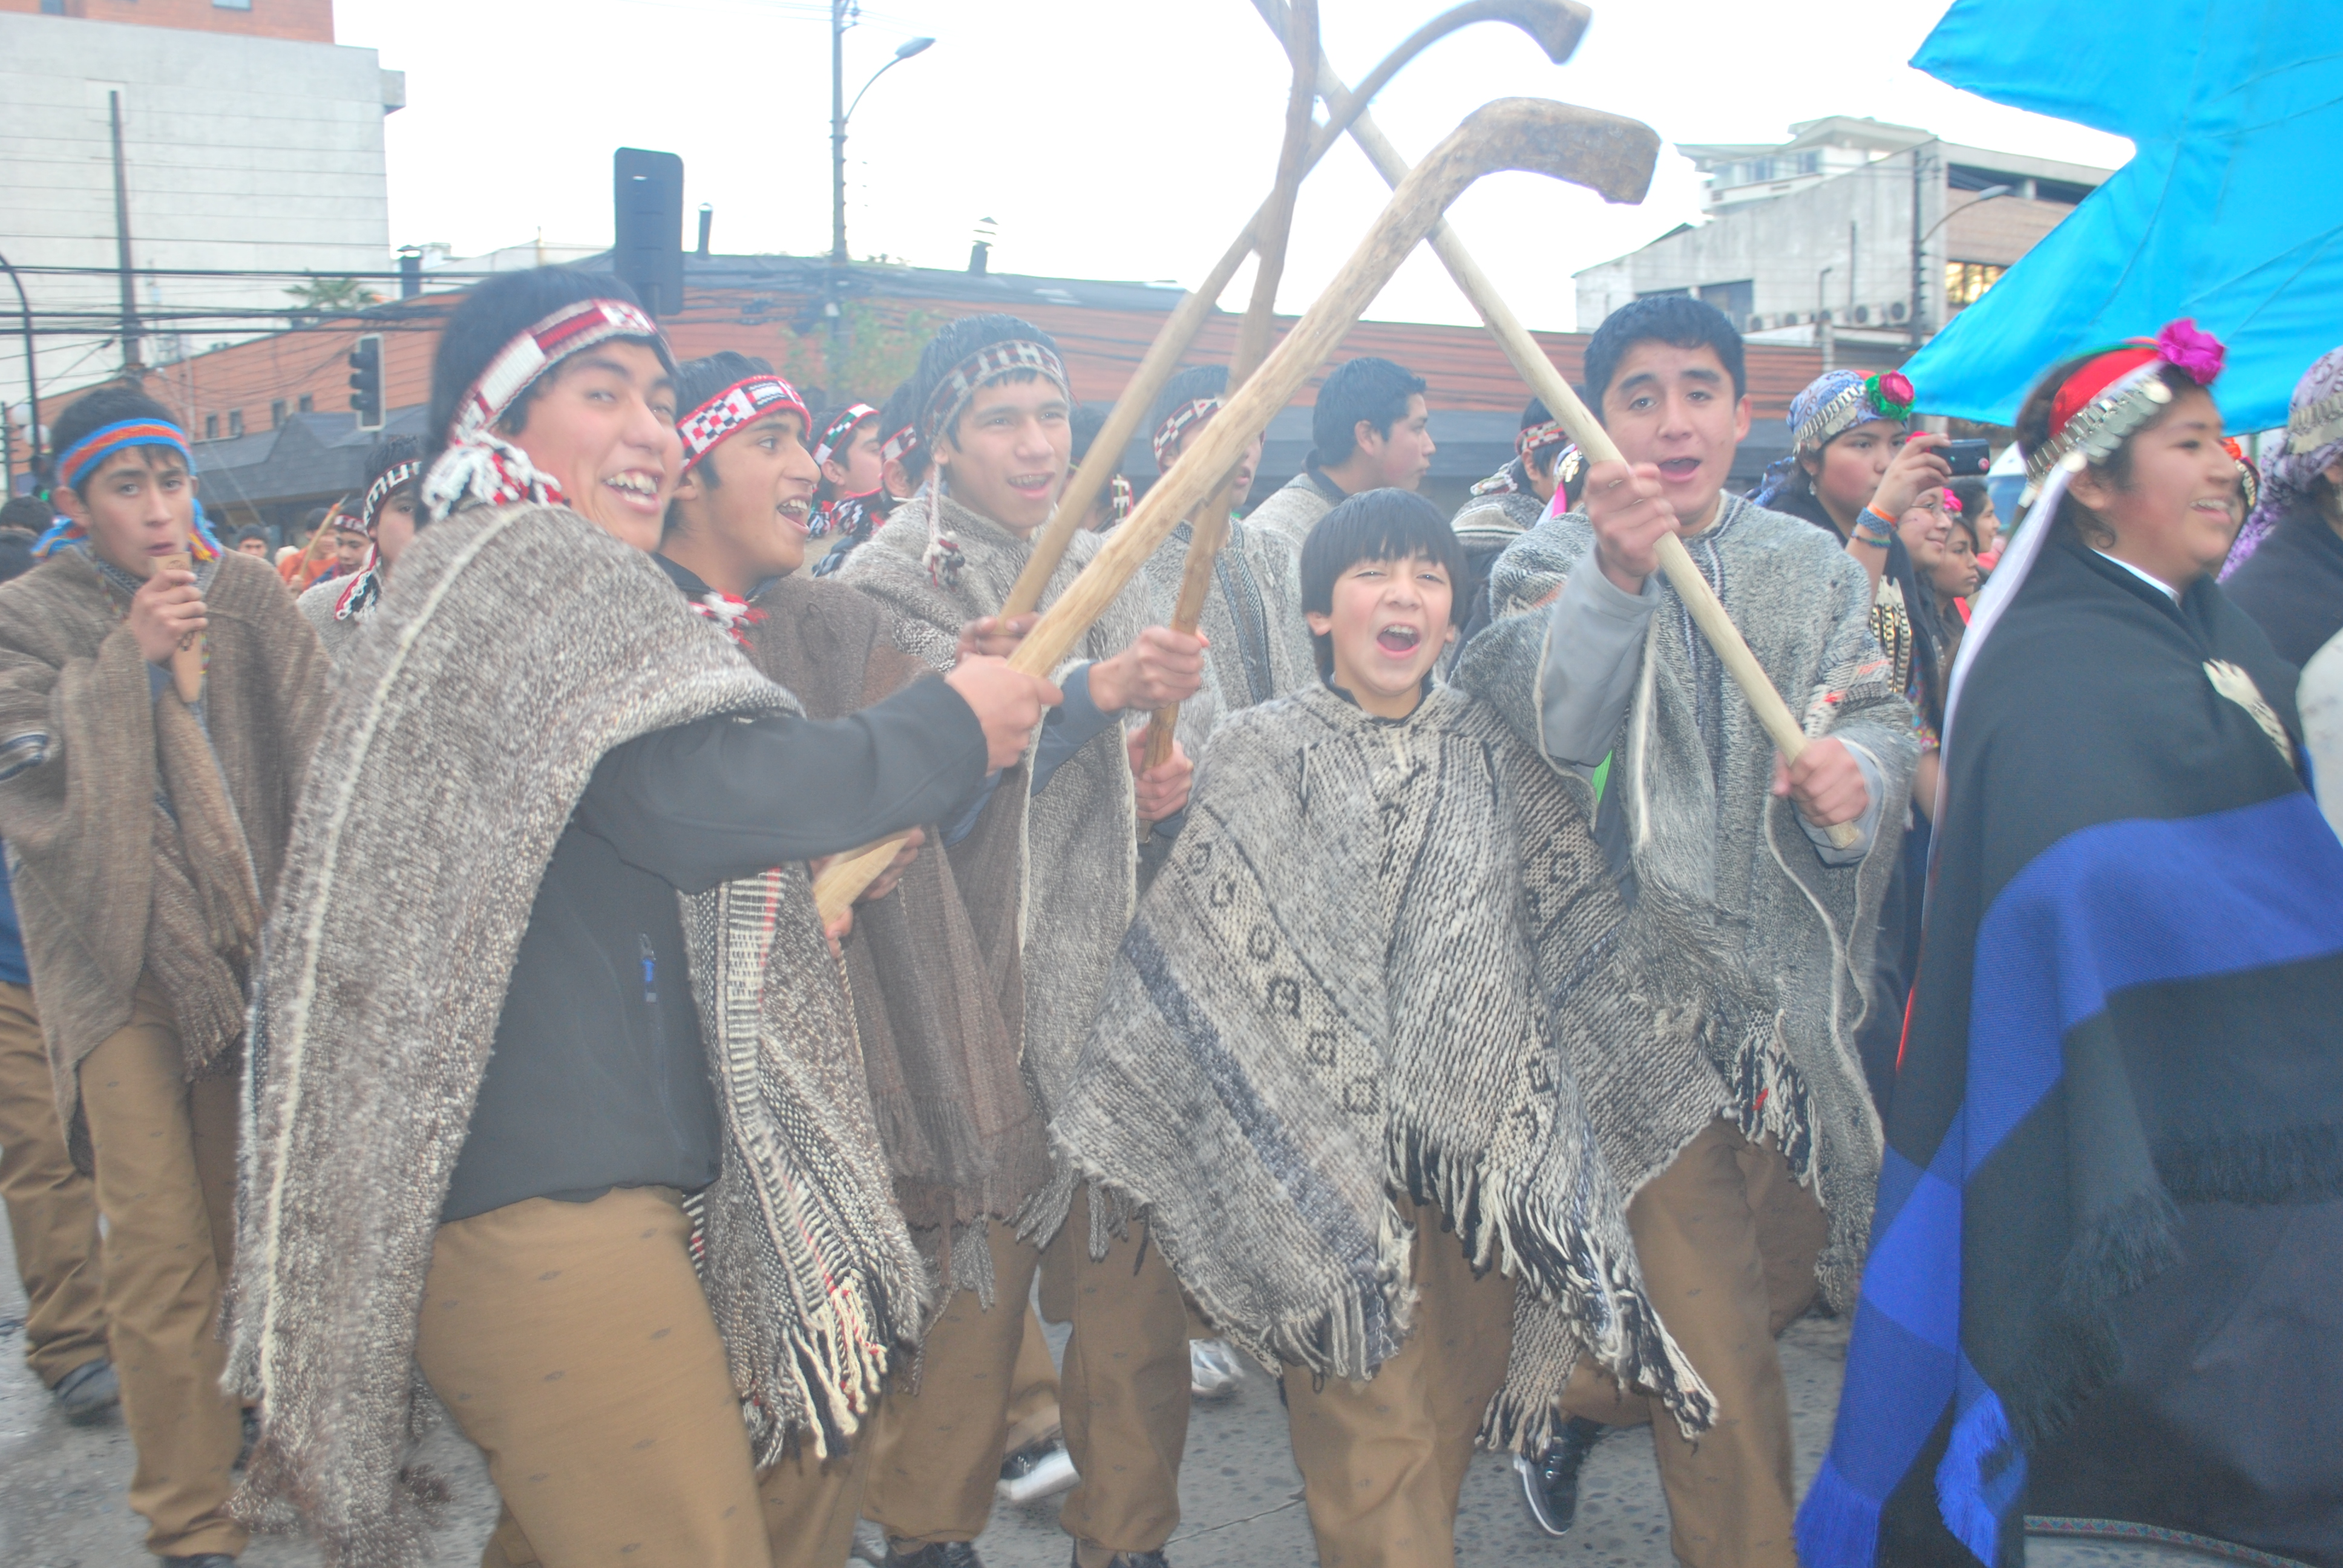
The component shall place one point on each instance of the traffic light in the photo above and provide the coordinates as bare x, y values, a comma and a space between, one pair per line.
366, 381
646, 193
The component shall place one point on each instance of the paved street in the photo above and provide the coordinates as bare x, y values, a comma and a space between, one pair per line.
61, 1488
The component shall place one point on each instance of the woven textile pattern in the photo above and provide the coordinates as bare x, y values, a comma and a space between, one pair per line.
462, 738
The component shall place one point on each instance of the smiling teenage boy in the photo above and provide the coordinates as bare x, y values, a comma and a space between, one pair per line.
1774, 1198
1327, 1068
147, 836
995, 422
1371, 432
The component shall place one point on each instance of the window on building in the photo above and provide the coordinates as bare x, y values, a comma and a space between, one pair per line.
52, 7
1966, 282
2065, 193
308, 404
235, 423
231, 4
277, 413
211, 426
1736, 299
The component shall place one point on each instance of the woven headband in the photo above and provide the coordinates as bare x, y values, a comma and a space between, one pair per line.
990, 363
567, 331
83, 456
1873, 398
705, 428
1537, 435
840, 428
2316, 425
2117, 393
900, 445
1169, 434
378, 492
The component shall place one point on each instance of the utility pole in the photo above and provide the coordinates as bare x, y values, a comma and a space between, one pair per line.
838, 25
130, 365
32, 371
1919, 248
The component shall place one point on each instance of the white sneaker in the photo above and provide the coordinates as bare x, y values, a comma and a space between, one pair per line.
1212, 1370
1037, 1472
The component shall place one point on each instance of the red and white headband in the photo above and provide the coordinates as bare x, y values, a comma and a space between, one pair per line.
705, 428
379, 491
567, 331
1169, 434
994, 360
1536, 436
900, 445
840, 428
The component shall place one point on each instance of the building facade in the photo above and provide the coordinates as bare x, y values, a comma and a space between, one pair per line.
1855, 236
251, 152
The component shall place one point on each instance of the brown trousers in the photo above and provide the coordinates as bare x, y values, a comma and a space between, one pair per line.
166, 1156
1122, 1396
52, 1207
1728, 1243
1383, 1463
572, 1342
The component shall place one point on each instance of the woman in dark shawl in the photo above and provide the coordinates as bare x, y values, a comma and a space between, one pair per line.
2286, 568
2106, 1278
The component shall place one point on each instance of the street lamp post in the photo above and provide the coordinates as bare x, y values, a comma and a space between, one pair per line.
841, 111
32, 371
1920, 282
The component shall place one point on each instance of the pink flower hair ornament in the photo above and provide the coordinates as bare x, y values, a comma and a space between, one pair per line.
2182, 346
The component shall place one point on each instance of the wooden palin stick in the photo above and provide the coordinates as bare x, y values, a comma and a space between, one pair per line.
1708, 612
1271, 230
1609, 153
1555, 24
187, 659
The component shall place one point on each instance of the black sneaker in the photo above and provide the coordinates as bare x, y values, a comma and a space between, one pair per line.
1129, 1559
1550, 1482
939, 1554
201, 1560
85, 1393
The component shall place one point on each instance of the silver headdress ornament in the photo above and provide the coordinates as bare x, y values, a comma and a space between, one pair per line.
2100, 428
2316, 425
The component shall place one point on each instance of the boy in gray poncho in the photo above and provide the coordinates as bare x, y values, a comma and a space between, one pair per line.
1368, 429
1383, 990
995, 422
1774, 1200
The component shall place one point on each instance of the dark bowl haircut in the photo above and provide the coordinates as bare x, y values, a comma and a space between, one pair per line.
110, 404
1386, 525
495, 313
388, 454
1375, 390
961, 338
1678, 320
29, 513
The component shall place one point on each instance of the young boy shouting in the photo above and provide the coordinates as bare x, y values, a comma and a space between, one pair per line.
1358, 1060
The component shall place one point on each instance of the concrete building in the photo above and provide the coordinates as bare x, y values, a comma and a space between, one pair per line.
252, 143
1813, 241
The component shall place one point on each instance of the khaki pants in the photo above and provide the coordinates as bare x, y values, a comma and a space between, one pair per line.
1033, 1390
1123, 1390
935, 1453
1383, 1463
572, 1342
166, 1156
52, 1207
1728, 1243
810, 1507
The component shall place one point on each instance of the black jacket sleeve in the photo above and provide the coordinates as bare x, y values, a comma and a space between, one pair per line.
724, 798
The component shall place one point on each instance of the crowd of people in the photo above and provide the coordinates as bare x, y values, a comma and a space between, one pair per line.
414, 962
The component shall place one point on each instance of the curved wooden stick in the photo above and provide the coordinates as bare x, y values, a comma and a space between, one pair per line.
1608, 153
1708, 612
1556, 25
187, 659
1211, 525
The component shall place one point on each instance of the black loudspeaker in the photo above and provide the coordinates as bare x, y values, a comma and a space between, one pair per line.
647, 196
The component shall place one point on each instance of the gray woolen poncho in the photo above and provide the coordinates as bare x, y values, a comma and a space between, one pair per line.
1385, 958
1693, 772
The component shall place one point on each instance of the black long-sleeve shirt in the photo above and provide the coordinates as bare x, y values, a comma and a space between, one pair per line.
598, 1077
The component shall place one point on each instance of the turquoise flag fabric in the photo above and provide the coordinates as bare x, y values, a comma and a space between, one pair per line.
2231, 211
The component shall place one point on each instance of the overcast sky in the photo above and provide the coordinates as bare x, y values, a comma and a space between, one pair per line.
1104, 138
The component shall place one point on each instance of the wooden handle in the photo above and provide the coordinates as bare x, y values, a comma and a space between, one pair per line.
1506, 133
187, 659
835, 891
1529, 361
